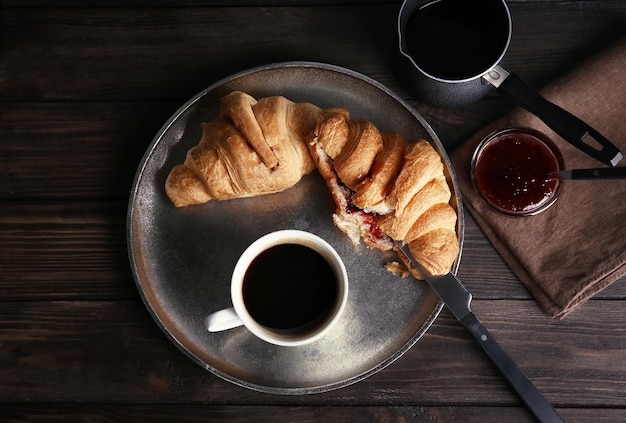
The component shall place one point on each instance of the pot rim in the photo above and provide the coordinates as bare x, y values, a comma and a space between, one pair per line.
406, 10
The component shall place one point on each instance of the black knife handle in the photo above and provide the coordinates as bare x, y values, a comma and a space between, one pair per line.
600, 173
568, 126
534, 400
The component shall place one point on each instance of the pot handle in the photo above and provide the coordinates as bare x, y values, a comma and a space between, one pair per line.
568, 126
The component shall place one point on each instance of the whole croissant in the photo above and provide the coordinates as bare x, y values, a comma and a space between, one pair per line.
252, 148
385, 187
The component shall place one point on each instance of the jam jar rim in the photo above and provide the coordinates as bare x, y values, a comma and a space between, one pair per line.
534, 133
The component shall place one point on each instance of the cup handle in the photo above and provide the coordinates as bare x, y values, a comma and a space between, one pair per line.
222, 320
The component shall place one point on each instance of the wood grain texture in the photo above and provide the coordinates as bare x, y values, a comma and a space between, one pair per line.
91, 74
182, 3
152, 53
37, 413
75, 150
77, 250
84, 351
64, 251
84, 88
165, 53
60, 150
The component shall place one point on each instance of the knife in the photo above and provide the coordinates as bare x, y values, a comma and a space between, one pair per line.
457, 298
596, 173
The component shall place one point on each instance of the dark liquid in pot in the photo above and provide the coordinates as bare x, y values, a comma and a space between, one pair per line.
289, 286
457, 39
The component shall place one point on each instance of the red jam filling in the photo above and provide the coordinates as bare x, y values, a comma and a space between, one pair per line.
512, 172
370, 220
372, 223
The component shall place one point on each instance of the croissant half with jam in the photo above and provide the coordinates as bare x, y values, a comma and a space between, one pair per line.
384, 187
252, 148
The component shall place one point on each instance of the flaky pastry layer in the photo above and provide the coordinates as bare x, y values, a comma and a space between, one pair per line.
252, 148
386, 189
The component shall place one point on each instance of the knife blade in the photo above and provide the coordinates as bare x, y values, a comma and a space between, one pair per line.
595, 173
458, 299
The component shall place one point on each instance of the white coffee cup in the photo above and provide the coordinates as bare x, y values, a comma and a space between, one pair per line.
288, 288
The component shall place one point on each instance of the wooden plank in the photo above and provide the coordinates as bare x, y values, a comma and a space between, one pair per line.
61, 150
75, 351
179, 3
202, 3
172, 53
64, 251
84, 89
36, 413
134, 54
108, 139
77, 251
55, 150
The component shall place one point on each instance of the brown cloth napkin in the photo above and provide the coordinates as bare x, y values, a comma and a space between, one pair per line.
577, 247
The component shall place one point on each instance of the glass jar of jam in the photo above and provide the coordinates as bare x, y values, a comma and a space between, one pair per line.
512, 171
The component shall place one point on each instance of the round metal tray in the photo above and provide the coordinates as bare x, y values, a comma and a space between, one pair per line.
182, 259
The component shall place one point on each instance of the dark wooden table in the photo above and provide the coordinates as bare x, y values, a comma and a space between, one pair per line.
84, 87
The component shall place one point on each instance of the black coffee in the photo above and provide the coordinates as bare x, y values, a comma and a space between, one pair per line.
457, 39
289, 286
